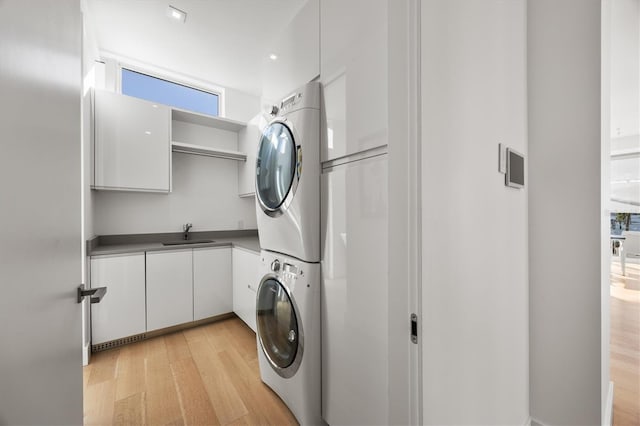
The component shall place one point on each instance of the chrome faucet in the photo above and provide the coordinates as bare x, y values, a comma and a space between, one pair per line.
186, 227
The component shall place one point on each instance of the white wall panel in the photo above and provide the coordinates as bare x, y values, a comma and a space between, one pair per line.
565, 176
474, 229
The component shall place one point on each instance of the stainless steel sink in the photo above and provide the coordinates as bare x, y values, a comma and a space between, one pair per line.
181, 242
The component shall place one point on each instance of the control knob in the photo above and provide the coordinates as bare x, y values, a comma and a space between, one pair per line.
275, 265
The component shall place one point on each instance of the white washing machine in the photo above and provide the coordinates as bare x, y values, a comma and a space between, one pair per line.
288, 177
288, 333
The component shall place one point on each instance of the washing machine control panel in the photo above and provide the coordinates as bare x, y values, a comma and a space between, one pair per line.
290, 101
290, 269
285, 268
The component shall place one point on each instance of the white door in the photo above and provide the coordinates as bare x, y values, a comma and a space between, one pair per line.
40, 212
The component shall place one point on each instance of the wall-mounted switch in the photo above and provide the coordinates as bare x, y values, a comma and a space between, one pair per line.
502, 159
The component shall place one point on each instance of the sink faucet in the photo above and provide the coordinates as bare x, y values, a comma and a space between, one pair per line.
186, 227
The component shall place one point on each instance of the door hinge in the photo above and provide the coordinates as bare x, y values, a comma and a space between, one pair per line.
414, 328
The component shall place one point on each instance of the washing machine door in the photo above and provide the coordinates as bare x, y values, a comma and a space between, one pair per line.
277, 168
279, 332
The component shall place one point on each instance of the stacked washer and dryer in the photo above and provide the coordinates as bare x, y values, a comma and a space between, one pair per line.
288, 215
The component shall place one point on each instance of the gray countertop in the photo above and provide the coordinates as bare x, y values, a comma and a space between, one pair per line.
135, 243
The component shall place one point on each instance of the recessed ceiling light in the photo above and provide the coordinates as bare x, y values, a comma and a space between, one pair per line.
176, 14
273, 56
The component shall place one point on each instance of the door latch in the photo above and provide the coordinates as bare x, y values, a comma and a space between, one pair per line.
95, 294
414, 328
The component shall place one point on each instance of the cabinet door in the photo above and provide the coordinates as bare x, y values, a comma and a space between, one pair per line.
212, 282
132, 144
245, 283
169, 288
354, 75
121, 312
355, 292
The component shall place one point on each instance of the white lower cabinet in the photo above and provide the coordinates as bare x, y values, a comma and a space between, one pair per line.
154, 290
169, 288
121, 312
212, 282
246, 269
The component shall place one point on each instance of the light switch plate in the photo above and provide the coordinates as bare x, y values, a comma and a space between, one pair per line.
502, 159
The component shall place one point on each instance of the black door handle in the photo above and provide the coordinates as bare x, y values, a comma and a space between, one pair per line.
95, 294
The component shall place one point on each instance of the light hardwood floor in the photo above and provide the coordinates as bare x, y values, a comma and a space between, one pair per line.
625, 344
209, 375
202, 376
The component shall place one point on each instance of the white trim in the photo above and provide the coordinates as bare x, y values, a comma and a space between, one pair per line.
164, 73
607, 418
415, 205
536, 422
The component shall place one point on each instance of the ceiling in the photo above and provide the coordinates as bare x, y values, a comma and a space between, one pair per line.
222, 42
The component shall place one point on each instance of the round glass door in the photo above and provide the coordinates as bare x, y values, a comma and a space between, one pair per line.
277, 326
275, 166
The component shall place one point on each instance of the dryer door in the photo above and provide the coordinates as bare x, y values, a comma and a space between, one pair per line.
276, 167
279, 332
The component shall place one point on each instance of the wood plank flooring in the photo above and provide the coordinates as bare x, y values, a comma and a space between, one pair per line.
209, 375
202, 376
625, 344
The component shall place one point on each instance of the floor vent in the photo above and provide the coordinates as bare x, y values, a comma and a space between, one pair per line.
118, 342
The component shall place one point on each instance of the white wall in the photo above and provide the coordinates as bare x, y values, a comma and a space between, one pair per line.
205, 193
297, 46
90, 53
475, 319
565, 211
205, 190
240, 106
625, 68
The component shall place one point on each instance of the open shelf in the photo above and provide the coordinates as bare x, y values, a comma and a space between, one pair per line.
187, 148
207, 120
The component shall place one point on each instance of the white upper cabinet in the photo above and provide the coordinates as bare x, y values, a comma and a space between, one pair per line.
169, 288
354, 75
297, 50
212, 282
248, 140
132, 144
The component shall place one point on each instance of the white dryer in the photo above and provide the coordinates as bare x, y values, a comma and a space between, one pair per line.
288, 333
288, 177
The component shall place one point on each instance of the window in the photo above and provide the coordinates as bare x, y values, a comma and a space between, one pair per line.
169, 93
